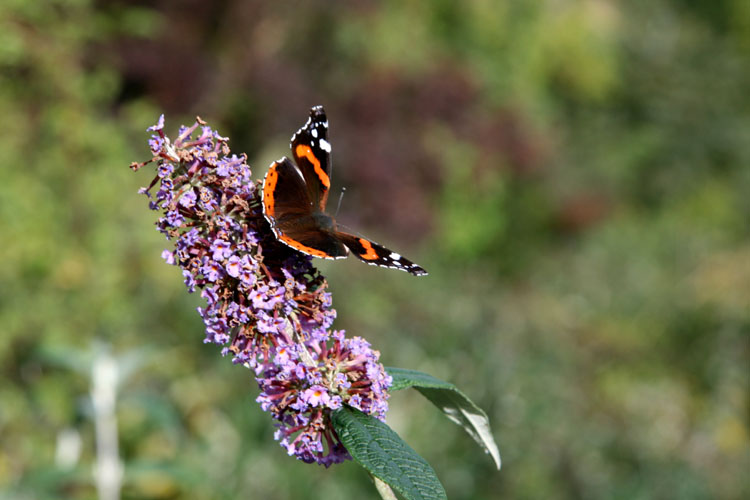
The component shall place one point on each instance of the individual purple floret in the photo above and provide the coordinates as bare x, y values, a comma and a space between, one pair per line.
265, 303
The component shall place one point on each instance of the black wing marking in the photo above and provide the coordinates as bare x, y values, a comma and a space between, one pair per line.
312, 153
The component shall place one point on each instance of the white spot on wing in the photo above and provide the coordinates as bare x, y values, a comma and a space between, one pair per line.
395, 256
325, 146
314, 132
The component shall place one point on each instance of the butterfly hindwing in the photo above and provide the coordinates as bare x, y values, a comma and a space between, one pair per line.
289, 211
312, 153
377, 255
311, 240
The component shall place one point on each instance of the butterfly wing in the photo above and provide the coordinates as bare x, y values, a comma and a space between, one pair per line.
378, 255
289, 210
312, 153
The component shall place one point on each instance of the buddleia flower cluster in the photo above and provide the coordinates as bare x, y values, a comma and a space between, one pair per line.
265, 304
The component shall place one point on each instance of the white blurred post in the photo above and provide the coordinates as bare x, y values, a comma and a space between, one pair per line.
108, 469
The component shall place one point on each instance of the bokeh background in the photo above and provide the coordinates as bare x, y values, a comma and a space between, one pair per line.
575, 175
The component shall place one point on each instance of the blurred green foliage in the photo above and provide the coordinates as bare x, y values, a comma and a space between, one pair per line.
575, 175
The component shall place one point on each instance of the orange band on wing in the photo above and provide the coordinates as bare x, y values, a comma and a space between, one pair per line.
302, 248
370, 253
269, 186
303, 151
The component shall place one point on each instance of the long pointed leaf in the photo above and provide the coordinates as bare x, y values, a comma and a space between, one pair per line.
386, 456
451, 401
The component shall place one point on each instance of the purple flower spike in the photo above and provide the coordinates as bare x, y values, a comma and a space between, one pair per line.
266, 304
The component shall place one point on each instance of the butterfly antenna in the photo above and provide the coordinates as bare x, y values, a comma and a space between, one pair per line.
341, 197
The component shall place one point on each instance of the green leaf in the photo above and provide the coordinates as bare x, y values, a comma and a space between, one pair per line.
384, 455
451, 401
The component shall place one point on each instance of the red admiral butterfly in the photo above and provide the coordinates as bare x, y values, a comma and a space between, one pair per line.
294, 202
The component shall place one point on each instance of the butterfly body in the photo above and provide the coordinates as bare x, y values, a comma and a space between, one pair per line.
324, 222
294, 201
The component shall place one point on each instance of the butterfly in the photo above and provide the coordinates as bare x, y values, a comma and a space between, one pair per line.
294, 203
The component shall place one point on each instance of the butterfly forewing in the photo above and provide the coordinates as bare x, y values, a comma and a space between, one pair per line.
377, 255
312, 153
